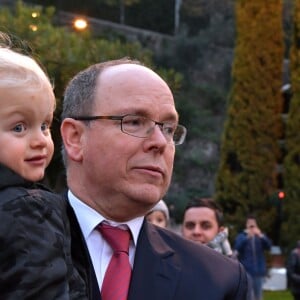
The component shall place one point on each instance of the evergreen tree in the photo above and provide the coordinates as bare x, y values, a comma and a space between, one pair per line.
291, 203
247, 175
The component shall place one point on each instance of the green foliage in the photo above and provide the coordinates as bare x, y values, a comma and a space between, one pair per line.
247, 174
173, 77
190, 54
64, 52
61, 50
202, 15
277, 295
291, 226
201, 100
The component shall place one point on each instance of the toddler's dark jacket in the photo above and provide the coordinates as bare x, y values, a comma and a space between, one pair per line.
35, 259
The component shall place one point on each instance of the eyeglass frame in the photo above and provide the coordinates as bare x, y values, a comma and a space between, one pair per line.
120, 118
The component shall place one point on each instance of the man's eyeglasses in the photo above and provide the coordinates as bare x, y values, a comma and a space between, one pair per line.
142, 127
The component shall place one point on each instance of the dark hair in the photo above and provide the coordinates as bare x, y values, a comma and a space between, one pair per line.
251, 217
209, 203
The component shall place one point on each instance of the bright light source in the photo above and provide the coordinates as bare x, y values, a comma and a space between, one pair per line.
281, 195
80, 24
35, 14
33, 27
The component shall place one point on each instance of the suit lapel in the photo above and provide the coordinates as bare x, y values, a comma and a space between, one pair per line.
155, 273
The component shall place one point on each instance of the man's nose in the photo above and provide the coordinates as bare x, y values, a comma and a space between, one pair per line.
197, 229
157, 132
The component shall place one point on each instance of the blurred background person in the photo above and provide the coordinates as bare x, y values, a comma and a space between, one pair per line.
159, 214
251, 245
293, 271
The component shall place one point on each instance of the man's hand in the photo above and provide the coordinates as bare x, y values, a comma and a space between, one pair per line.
253, 229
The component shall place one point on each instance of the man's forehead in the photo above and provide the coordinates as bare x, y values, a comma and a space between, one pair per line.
145, 89
199, 212
251, 221
125, 69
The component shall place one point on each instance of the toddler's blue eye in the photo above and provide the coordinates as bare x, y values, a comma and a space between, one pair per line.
19, 128
45, 126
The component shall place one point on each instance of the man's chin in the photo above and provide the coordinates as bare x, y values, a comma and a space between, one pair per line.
151, 191
198, 241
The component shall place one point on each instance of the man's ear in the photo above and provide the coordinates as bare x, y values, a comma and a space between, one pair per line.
72, 136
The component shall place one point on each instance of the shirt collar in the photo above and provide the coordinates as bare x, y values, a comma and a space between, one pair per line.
88, 218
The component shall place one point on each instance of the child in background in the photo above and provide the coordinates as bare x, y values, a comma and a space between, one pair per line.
159, 214
35, 261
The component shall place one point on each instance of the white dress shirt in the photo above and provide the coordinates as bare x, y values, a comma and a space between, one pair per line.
100, 251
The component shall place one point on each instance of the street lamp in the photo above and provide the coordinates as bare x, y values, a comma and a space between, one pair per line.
34, 15
33, 27
80, 24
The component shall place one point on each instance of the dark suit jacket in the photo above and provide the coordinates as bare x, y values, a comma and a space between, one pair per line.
168, 267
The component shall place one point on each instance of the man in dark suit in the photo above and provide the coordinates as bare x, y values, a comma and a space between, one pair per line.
119, 129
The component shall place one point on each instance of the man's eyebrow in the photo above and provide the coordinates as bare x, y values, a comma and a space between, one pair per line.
173, 117
189, 222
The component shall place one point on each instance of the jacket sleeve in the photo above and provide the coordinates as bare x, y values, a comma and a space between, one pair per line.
266, 242
32, 257
291, 268
240, 242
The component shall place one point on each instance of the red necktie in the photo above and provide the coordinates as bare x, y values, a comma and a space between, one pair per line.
117, 276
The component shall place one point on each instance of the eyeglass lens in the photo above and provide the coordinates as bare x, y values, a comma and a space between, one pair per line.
142, 127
